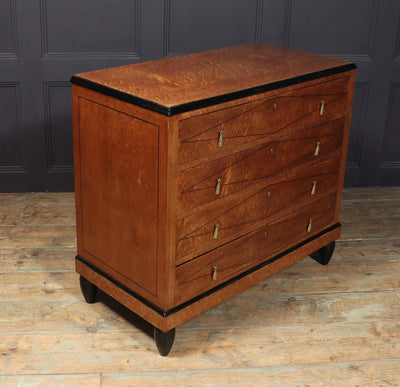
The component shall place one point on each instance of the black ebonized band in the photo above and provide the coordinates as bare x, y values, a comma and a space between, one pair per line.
170, 111
211, 291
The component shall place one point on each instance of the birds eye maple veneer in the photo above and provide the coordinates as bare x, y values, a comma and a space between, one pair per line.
200, 175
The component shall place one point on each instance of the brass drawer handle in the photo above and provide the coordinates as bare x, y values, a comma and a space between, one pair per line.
214, 273
314, 187
316, 151
309, 225
322, 108
218, 187
220, 138
216, 229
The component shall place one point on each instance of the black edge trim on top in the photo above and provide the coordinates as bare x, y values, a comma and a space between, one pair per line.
170, 111
144, 103
211, 291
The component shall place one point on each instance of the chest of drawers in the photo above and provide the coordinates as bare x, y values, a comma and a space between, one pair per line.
198, 176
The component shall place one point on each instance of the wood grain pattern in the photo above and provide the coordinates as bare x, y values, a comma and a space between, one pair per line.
358, 373
118, 157
66, 380
376, 194
36, 199
269, 115
28, 354
335, 326
196, 276
164, 235
197, 185
246, 125
328, 165
376, 250
175, 81
23, 259
248, 213
348, 308
42, 215
37, 237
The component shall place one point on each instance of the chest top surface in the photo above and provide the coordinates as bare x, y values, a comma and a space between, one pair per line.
175, 85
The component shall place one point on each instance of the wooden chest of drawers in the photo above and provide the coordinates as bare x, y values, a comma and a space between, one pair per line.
198, 176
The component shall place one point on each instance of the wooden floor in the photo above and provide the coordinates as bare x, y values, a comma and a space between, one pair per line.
311, 325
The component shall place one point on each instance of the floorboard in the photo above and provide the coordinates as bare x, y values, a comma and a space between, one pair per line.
335, 325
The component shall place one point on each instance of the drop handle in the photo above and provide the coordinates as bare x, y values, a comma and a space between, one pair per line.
314, 187
322, 108
317, 146
216, 230
220, 138
218, 187
309, 225
214, 273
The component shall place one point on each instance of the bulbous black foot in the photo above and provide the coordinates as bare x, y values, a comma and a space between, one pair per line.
89, 290
164, 340
324, 254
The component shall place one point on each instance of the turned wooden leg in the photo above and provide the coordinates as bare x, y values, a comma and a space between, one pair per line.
164, 340
324, 254
89, 290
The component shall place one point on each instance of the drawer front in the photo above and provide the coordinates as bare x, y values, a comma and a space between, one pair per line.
209, 270
208, 229
217, 134
219, 178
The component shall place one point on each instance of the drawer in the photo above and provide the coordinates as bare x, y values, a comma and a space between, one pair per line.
216, 179
208, 229
209, 270
217, 134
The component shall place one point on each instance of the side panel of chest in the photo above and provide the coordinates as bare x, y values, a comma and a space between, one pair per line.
118, 158
121, 181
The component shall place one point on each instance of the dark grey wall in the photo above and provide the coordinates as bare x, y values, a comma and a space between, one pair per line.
43, 42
